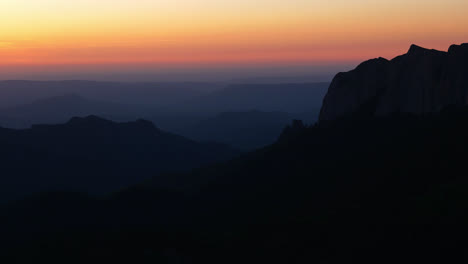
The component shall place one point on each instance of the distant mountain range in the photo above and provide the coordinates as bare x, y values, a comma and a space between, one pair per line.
285, 97
211, 98
246, 116
14, 93
96, 155
421, 81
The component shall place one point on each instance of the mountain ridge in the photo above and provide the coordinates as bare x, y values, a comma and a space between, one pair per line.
92, 154
420, 81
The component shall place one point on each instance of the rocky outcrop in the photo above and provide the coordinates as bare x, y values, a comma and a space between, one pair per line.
418, 82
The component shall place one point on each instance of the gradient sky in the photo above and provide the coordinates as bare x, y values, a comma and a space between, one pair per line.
48, 35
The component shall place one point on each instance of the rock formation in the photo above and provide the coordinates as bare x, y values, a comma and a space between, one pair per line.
420, 81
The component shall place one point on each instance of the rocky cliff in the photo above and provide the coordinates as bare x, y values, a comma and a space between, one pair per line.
419, 81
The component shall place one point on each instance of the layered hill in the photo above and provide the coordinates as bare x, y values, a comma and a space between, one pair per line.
96, 155
364, 188
282, 97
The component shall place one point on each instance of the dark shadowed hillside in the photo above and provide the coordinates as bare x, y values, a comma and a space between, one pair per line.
93, 154
358, 190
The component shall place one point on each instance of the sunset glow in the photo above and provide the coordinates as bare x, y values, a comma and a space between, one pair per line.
199, 32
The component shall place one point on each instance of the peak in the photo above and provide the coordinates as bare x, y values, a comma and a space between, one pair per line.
458, 48
372, 63
415, 49
376, 60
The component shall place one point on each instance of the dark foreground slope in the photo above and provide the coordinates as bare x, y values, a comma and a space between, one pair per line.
96, 155
377, 190
421, 81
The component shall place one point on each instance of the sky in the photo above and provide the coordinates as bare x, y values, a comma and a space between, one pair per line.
146, 37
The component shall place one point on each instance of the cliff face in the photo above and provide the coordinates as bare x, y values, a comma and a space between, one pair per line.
420, 81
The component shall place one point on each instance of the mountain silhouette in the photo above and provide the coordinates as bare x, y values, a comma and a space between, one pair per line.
18, 92
360, 186
97, 155
279, 97
421, 81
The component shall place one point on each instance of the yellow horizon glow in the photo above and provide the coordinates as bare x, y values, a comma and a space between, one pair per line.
48, 32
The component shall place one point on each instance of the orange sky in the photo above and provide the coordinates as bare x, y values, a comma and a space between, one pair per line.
209, 32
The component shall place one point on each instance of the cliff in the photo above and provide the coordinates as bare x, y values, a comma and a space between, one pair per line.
417, 82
